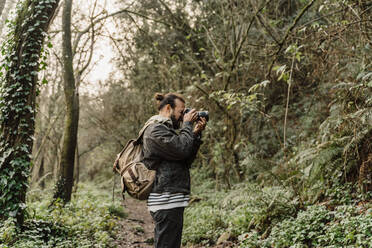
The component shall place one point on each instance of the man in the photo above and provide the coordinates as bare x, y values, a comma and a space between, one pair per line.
171, 154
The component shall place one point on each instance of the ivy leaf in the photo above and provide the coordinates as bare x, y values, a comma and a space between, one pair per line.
13, 213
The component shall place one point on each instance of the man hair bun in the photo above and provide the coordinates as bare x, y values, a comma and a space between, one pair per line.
159, 97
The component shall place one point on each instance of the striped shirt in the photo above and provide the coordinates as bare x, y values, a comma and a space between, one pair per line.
167, 200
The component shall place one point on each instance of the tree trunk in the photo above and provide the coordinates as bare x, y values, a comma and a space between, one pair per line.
66, 171
17, 107
77, 160
41, 173
77, 167
35, 174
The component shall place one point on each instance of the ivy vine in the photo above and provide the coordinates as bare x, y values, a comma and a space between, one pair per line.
18, 76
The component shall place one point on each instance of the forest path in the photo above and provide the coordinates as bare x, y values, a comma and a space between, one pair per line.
138, 228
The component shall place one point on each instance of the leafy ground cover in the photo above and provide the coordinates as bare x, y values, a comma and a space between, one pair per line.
256, 216
89, 220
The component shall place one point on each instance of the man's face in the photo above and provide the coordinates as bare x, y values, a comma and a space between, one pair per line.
177, 113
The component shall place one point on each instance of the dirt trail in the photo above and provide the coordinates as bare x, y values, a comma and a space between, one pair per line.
138, 228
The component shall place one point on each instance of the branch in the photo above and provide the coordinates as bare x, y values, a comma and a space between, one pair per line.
46, 135
268, 29
86, 30
236, 55
289, 30
90, 53
171, 13
216, 102
91, 148
324, 16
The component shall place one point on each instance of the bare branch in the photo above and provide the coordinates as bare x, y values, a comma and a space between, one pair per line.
90, 53
86, 30
236, 55
289, 30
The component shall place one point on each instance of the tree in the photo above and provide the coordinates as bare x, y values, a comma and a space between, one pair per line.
66, 173
72, 77
242, 60
17, 102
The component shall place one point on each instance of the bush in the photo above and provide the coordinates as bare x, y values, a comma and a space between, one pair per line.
87, 221
245, 207
318, 227
272, 217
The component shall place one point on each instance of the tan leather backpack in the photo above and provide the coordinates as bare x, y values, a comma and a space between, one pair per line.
136, 179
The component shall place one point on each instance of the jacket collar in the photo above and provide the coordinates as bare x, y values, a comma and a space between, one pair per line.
159, 119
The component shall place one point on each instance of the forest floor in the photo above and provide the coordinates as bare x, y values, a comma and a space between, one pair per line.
138, 228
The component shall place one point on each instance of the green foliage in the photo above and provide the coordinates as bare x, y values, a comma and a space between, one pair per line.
333, 158
318, 227
273, 216
243, 208
8, 231
204, 225
221, 64
89, 220
19, 68
270, 217
117, 211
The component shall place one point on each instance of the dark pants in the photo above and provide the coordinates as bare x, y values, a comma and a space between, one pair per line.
168, 227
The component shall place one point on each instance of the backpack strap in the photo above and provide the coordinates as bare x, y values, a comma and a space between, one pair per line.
116, 163
152, 120
141, 133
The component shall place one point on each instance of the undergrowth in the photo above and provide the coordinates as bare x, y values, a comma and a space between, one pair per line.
244, 207
89, 220
271, 216
317, 226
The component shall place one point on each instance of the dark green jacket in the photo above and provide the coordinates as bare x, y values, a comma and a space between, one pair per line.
170, 154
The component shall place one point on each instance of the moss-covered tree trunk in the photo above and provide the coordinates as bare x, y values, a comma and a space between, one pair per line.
77, 167
66, 169
19, 71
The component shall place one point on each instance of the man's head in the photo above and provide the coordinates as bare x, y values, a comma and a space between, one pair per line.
171, 105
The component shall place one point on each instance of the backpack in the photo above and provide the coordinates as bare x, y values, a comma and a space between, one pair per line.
136, 179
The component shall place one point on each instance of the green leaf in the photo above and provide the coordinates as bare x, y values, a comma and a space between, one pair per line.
368, 75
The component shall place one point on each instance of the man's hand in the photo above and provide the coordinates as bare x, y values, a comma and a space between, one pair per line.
190, 116
200, 126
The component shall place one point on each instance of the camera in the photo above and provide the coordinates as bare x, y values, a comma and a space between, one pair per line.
204, 114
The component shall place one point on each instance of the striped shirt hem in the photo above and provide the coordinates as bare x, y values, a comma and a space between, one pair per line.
167, 200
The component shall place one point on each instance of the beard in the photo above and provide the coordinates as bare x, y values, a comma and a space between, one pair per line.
176, 122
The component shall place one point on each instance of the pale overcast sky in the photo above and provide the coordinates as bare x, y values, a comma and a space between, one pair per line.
103, 52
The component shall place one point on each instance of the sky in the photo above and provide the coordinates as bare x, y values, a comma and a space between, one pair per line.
103, 53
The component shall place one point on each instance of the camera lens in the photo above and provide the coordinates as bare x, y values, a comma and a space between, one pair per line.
204, 114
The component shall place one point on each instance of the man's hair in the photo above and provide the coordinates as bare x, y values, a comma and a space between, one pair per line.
169, 98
